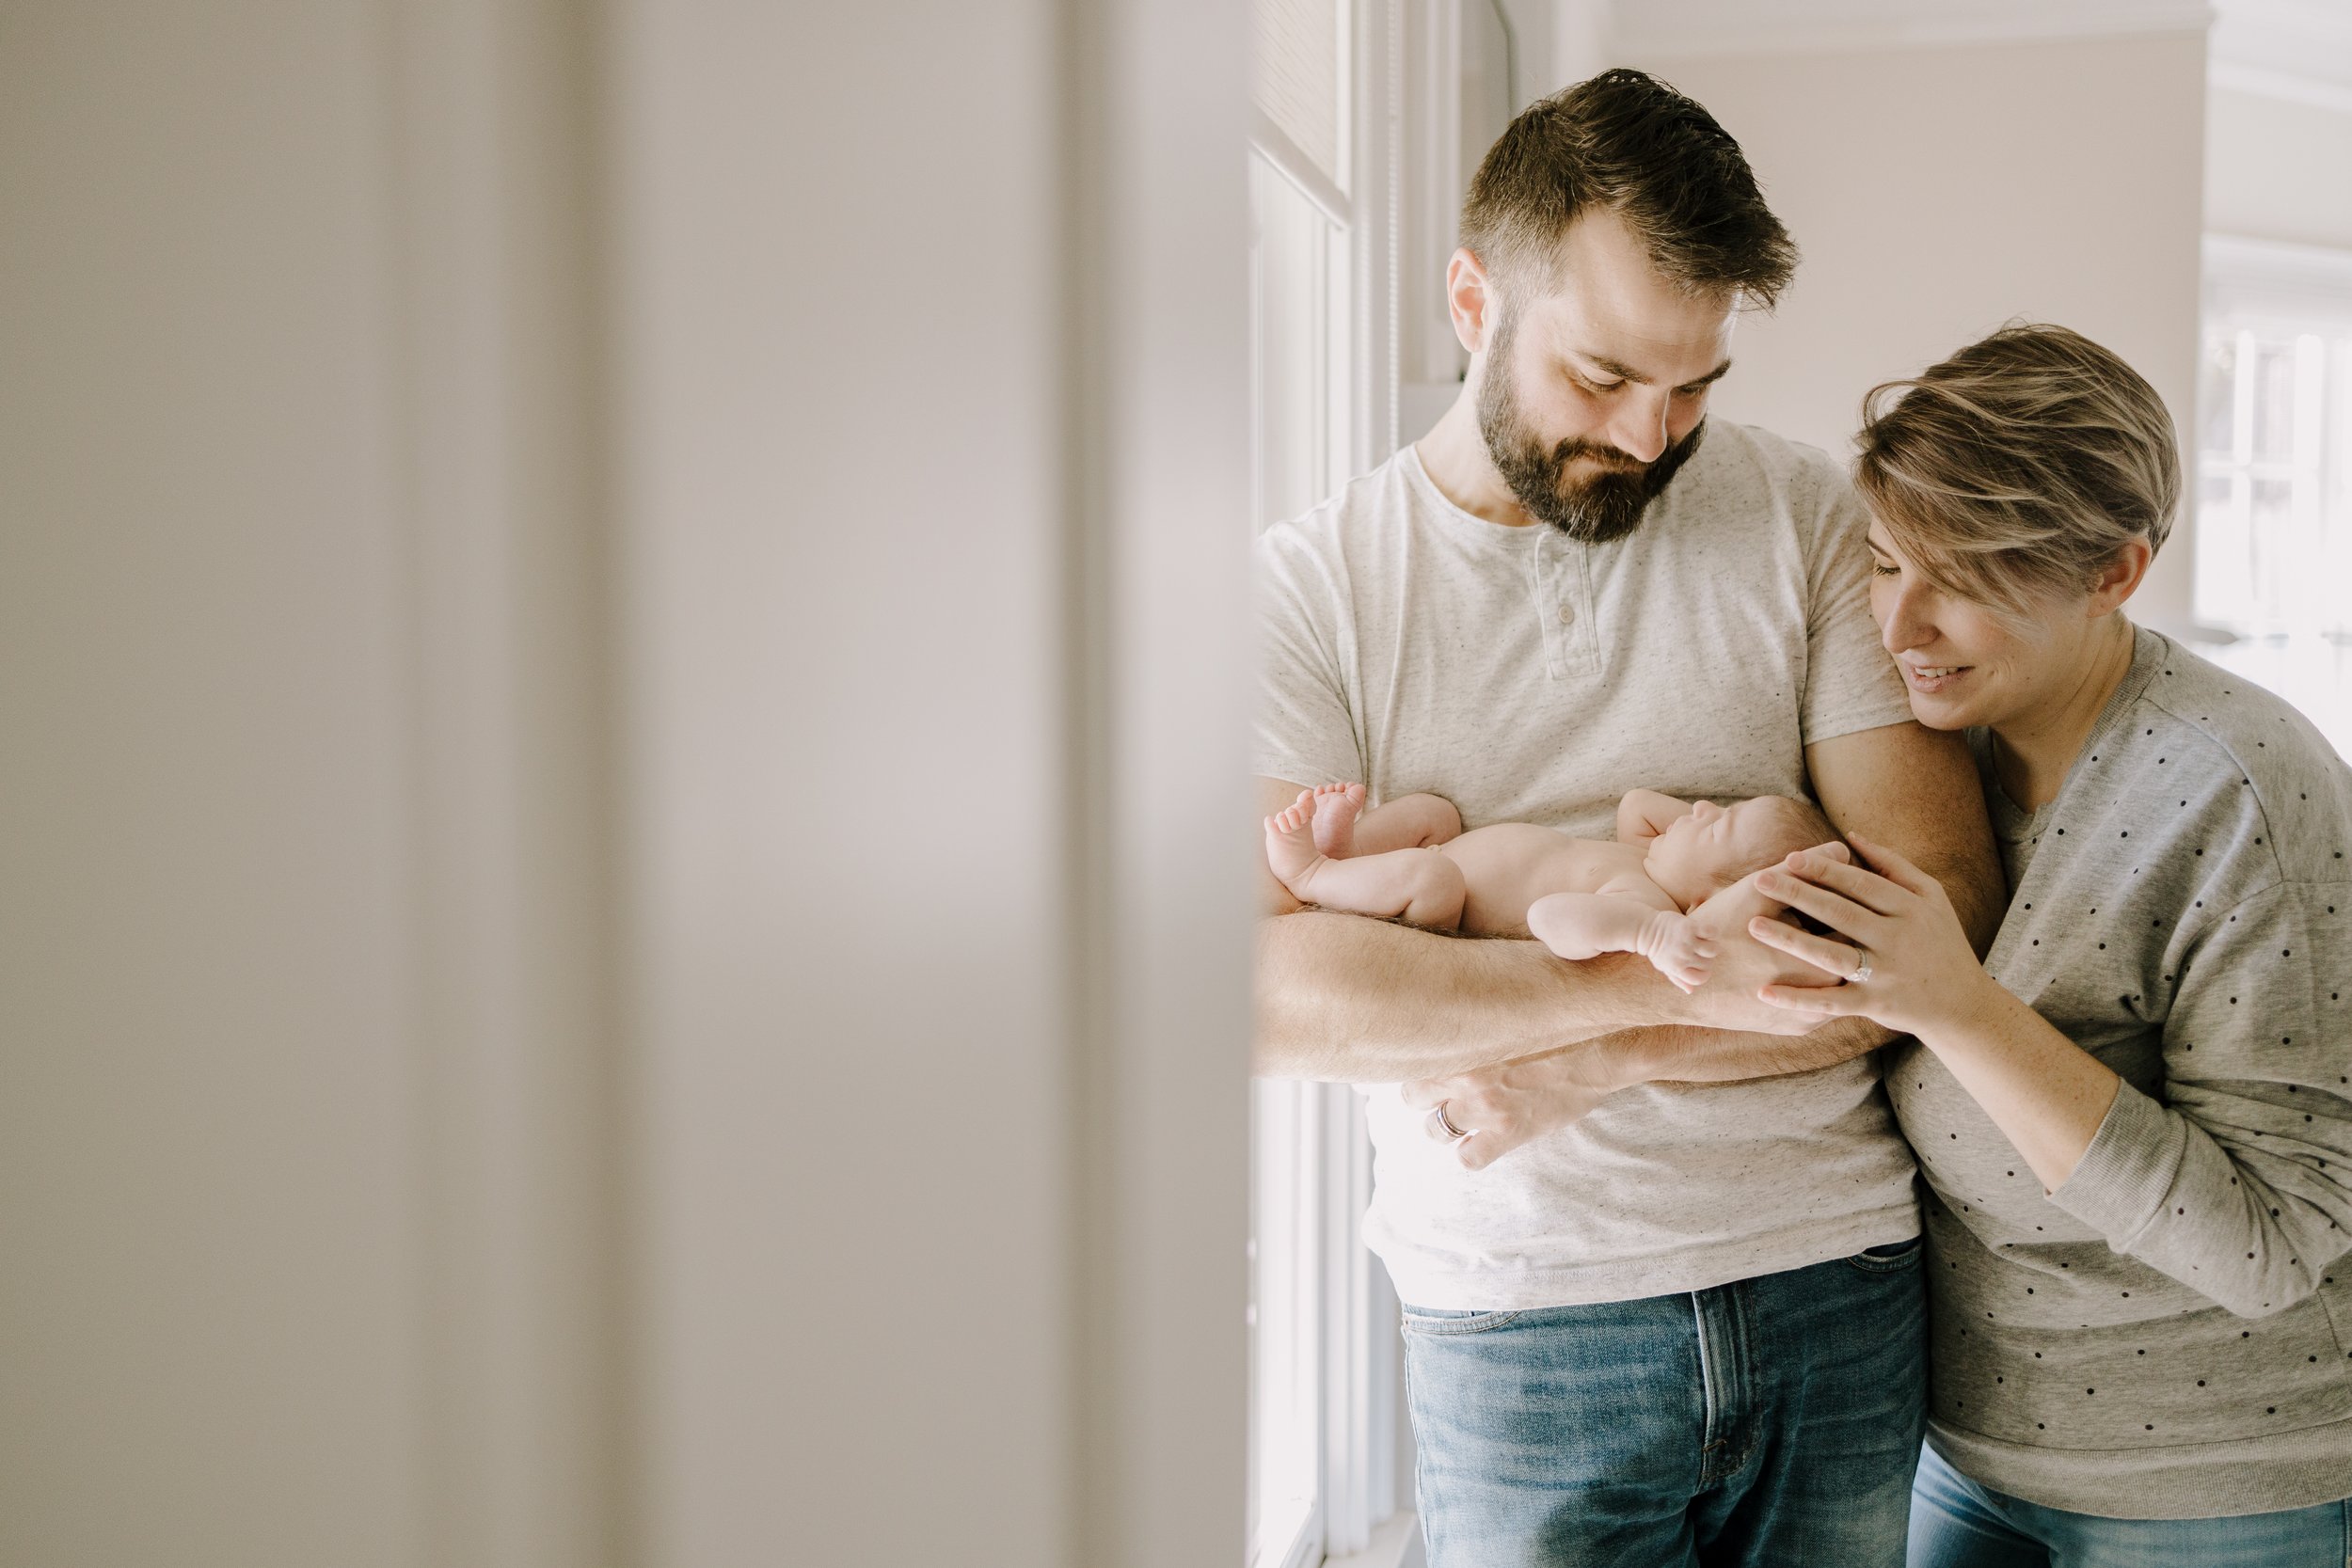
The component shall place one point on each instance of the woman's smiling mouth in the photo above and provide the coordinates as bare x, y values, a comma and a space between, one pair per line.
1932, 677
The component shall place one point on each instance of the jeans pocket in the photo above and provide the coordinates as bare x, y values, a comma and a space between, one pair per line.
1421, 1319
1892, 1258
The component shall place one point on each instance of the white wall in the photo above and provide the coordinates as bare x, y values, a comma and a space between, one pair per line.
2278, 170
1939, 191
851, 1089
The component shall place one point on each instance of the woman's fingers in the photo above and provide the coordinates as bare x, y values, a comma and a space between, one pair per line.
1896, 869
1830, 958
1834, 910
1866, 888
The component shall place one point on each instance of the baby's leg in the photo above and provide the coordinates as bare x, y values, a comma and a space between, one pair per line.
1586, 925
1419, 886
1342, 828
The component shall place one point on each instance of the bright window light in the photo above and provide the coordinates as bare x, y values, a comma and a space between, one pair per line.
2273, 473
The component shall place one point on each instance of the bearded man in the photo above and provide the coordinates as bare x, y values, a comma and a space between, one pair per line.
1682, 1320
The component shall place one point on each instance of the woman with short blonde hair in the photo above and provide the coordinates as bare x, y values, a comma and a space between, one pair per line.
2135, 1117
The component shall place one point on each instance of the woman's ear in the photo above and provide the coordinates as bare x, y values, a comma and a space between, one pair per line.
2121, 578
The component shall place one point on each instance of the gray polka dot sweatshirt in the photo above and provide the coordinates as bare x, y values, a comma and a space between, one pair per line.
2170, 1334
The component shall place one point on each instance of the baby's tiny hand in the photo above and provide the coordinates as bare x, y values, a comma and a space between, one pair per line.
1678, 949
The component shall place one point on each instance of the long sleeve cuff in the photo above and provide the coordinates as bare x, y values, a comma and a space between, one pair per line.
2124, 1177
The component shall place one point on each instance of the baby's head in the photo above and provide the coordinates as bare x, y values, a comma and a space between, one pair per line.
1712, 847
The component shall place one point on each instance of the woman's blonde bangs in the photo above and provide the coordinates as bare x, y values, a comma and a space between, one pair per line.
2017, 469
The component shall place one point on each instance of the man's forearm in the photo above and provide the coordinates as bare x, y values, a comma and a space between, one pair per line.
1351, 1000
1680, 1054
1683, 1053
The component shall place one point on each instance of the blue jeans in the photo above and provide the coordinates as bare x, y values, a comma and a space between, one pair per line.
1772, 1422
1956, 1522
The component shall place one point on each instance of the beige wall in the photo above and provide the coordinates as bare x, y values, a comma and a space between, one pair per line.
208, 1323
2278, 170
1939, 192
305, 1139
616, 652
933, 558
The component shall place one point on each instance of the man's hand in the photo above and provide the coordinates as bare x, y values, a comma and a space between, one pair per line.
1744, 966
1500, 1107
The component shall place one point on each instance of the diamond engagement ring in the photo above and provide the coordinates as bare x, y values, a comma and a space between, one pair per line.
1442, 1125
1861, 972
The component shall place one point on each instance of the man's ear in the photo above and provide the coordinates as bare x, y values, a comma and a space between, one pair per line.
1471, 300
2121, 578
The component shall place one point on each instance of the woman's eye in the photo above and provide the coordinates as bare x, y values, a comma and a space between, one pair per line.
1877, 570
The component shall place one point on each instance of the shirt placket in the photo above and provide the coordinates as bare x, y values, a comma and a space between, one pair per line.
1546, 579
1564, 603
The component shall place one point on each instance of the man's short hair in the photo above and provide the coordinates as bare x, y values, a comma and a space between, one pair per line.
1625, 142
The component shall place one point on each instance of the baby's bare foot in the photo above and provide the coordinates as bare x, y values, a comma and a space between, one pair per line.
1336, 808
1289, 842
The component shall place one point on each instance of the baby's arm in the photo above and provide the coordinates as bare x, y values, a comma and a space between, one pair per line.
1632, 915
1643, 813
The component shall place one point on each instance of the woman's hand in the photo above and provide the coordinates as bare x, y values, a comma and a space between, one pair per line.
1498, 1108
1921, 973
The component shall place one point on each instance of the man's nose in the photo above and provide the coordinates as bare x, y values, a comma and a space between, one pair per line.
1640, 429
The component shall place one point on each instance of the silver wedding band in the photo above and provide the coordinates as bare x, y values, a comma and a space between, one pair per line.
1444, 1123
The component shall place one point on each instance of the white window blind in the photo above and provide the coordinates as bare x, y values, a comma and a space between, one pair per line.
1297, 77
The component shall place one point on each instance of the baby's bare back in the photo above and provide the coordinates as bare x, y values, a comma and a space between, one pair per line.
1508, 866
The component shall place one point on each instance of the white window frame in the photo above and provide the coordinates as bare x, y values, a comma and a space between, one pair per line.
2260, 290
1392, 206
2292, 635
1338, 1351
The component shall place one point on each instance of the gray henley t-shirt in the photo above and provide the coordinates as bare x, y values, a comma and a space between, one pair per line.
1528, 677
2170, 1334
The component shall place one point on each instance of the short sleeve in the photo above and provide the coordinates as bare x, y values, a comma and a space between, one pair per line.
2238, 1182
1306, 733
1850, 682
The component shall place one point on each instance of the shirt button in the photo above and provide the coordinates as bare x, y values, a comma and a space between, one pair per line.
1568, 615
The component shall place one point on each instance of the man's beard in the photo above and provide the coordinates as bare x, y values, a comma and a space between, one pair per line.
1608, 504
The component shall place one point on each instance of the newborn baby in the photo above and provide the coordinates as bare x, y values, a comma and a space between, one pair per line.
1410, 859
